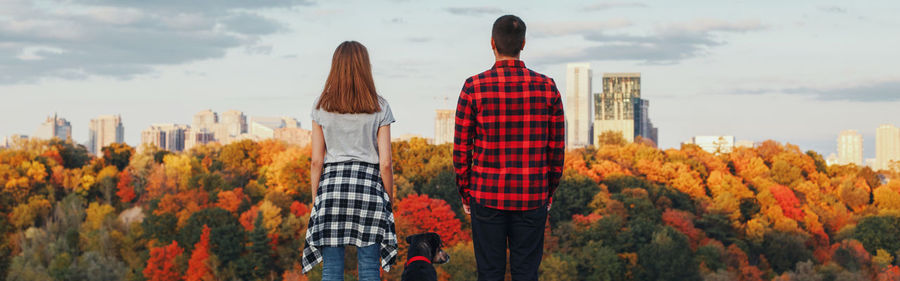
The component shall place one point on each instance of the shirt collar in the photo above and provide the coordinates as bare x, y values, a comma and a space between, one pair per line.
509, 63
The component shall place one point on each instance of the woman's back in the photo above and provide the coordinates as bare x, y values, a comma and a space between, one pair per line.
352, 137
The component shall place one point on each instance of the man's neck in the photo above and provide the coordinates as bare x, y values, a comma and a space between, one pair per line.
501, 58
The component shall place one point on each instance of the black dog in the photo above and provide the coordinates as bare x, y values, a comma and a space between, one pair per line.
424, 249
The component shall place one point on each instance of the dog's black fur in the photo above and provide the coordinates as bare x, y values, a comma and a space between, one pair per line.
429, 246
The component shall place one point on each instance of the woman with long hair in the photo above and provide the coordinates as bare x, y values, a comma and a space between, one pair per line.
350, 172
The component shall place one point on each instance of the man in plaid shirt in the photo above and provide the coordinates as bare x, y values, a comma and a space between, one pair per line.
508, 153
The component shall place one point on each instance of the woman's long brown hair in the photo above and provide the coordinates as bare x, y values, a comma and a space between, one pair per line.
350, 87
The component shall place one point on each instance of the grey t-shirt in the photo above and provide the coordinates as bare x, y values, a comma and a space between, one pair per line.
352, 137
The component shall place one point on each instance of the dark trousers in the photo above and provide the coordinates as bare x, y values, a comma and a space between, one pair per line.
522, 231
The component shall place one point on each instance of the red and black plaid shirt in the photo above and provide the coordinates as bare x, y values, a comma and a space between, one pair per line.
510, 138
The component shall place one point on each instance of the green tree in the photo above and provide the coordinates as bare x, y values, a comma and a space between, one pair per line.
443, 187
667, 257
226, 233
574, 194
711, 256
783, 250
871, 232
160, 227
257, 263
73, 155
598, 262
556, 267
118, 154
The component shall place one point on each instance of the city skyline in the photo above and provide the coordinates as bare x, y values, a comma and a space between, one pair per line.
726, 66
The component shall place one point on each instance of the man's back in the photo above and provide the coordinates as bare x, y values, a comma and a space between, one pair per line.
509, 143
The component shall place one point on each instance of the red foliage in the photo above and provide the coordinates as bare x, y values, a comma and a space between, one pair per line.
683, 222
249, 217
183, 204
788, 202
586, 221
125, 188
53, 154
198, 268
161, 265
890, 273
231, 200
299, 209
419, 213
855, 248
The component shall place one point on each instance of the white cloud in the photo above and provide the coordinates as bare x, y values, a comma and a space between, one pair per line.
543, 29
666, 44
75, 39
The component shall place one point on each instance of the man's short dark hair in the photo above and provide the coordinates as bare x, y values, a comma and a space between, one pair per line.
509, 35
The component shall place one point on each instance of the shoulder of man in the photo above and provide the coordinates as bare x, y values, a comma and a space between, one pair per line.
541, 77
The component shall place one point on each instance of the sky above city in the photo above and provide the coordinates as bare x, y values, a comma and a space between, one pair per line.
792, 71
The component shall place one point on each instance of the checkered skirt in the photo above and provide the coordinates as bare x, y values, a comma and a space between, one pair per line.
350, 208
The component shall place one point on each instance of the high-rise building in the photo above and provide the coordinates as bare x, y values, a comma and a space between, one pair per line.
264, 127
578, 105
444, 122
105, 130
232, 124
887, 146
714, 144
619, 108
194, 137
169, 137
295, 136
206, 119
850, 148
54, 126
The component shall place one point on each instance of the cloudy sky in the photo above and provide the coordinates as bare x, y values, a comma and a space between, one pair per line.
793, 71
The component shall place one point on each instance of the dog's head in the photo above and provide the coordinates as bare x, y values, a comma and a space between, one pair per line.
428, 245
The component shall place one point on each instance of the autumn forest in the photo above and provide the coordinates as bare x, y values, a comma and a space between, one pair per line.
623, 211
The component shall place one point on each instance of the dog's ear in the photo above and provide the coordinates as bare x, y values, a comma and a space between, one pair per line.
409, 239
435, 240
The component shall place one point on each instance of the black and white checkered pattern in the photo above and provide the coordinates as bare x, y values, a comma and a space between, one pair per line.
350, 208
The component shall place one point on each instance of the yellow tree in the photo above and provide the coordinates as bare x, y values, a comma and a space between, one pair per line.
179, 169
96, 214
854, 193
886, 199
289, 171
271, 216
26, 214
719, 182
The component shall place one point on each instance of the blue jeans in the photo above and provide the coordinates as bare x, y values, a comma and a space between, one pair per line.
369, 265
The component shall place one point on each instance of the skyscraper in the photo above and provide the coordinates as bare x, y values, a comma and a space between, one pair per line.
232, 124
444, 122
206, 119
887, 146
264, 127
169, 137
54, 126
850, 148
105, 130
578, 105
619, 108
